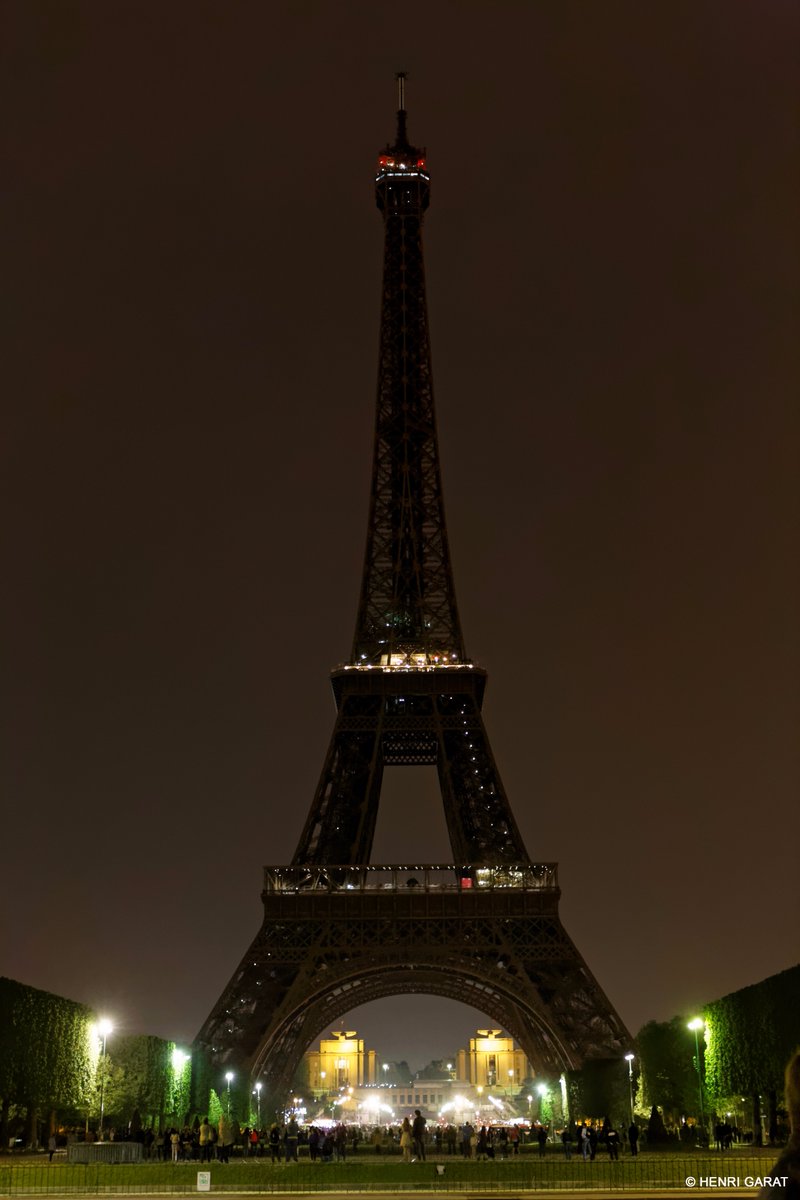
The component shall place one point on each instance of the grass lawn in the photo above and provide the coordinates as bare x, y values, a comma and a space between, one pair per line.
651, 1171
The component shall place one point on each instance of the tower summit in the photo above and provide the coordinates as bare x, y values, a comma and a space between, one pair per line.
339, 931
409, 696
407, 613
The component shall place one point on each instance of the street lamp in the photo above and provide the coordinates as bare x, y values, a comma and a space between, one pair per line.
259, 1086
104, 1028
629, 1060
229, 1077
696, 1024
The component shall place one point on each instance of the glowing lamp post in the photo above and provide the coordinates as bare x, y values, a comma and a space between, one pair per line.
258, 1101
696, 1024
104, 1029
629, 1060
228, 1078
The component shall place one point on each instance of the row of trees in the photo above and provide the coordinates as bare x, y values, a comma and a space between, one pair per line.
50, 1063
748, 1038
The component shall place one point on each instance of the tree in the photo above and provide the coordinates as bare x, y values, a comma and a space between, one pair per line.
669, 1077
47, 1052
600, 1090
750, 1035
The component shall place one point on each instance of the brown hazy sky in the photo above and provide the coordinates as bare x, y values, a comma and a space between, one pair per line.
190, 259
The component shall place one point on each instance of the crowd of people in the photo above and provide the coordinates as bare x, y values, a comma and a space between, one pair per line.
206, 1141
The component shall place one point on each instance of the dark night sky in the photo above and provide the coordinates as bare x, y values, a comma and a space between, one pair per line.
190, 268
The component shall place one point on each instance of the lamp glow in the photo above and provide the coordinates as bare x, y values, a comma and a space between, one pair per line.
696, 1024
629, 1059
104, 1028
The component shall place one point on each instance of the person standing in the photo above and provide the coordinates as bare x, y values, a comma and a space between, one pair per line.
418, 1134
785, 1174
633, 1138
292, 1138
566, 1141
206, 1140
275, 1143
227, 1136
406, 1140
612, 1143
586, 1146
482, 1149
541, 1138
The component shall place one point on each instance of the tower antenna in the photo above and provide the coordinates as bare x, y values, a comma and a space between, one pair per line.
402, 137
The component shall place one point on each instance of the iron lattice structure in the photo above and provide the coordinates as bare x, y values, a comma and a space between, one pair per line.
338, 931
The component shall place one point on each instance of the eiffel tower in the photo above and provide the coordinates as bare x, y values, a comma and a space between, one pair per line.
339, 931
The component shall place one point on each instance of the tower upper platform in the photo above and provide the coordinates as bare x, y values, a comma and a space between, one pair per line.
407, 613
402, 181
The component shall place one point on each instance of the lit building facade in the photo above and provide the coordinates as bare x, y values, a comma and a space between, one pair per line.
492, 1061
482, 1083
340, 1063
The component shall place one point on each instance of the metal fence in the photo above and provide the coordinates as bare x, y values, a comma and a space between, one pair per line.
656, 1173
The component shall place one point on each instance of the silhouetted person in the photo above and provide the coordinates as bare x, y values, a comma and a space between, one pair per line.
292, 1137
418, 1133
633, 1138
275, 1143
788, 1165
